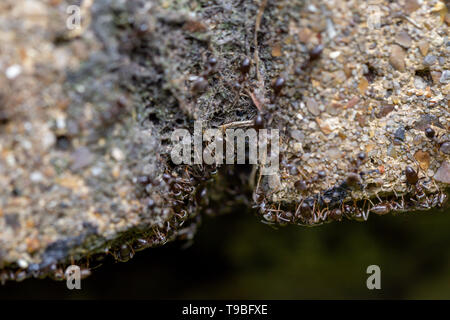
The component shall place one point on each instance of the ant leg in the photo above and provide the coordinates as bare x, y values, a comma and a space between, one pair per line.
378, 197
324, 218
395, 193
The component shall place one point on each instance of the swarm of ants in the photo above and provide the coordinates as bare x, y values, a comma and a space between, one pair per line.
331, 206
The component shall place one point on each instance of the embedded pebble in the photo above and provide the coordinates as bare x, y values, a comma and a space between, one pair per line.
443, 173
429, 60
423, 47
445, 147
397, 58
423, 158
117, 154
312, 106
403, 39
385, 110
445, 77
419, 83
82, 157
13, 71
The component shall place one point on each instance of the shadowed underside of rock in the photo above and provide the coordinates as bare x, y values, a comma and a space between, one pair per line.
86, 118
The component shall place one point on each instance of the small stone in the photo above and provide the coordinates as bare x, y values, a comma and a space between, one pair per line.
423, 47
436, 76
403, 39
411, 5
423, 158
397, 58
335, 54
32, 244
304, 35
22, 263
334, 108
276, 50
445, 77
363, 85
312, 106
298, 135
399, 134
13, 71
385, 110
293, 171
443, 173
419, 83
117, 154
353, 102
445, 147
81, 158
324, 127
429, 60
36, 176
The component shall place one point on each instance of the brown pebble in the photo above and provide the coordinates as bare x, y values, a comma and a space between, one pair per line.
435, 76
304, 35
423, 47
353, 102
33, 244
397, 58
443, 173
363, 85
411, 5
403, 39
385, 110
423, 158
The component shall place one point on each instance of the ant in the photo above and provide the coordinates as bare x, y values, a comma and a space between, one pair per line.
412, 179
444, 146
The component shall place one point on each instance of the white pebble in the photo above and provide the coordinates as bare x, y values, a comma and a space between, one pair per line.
335, 54
36, 176
13, 71
22, 263
117, 154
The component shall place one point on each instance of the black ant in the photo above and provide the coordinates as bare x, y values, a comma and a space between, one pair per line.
412, 179
444, 146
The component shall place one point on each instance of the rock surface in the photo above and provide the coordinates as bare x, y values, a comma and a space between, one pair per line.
86, 117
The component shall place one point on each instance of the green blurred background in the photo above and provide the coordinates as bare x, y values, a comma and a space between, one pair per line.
234, 256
